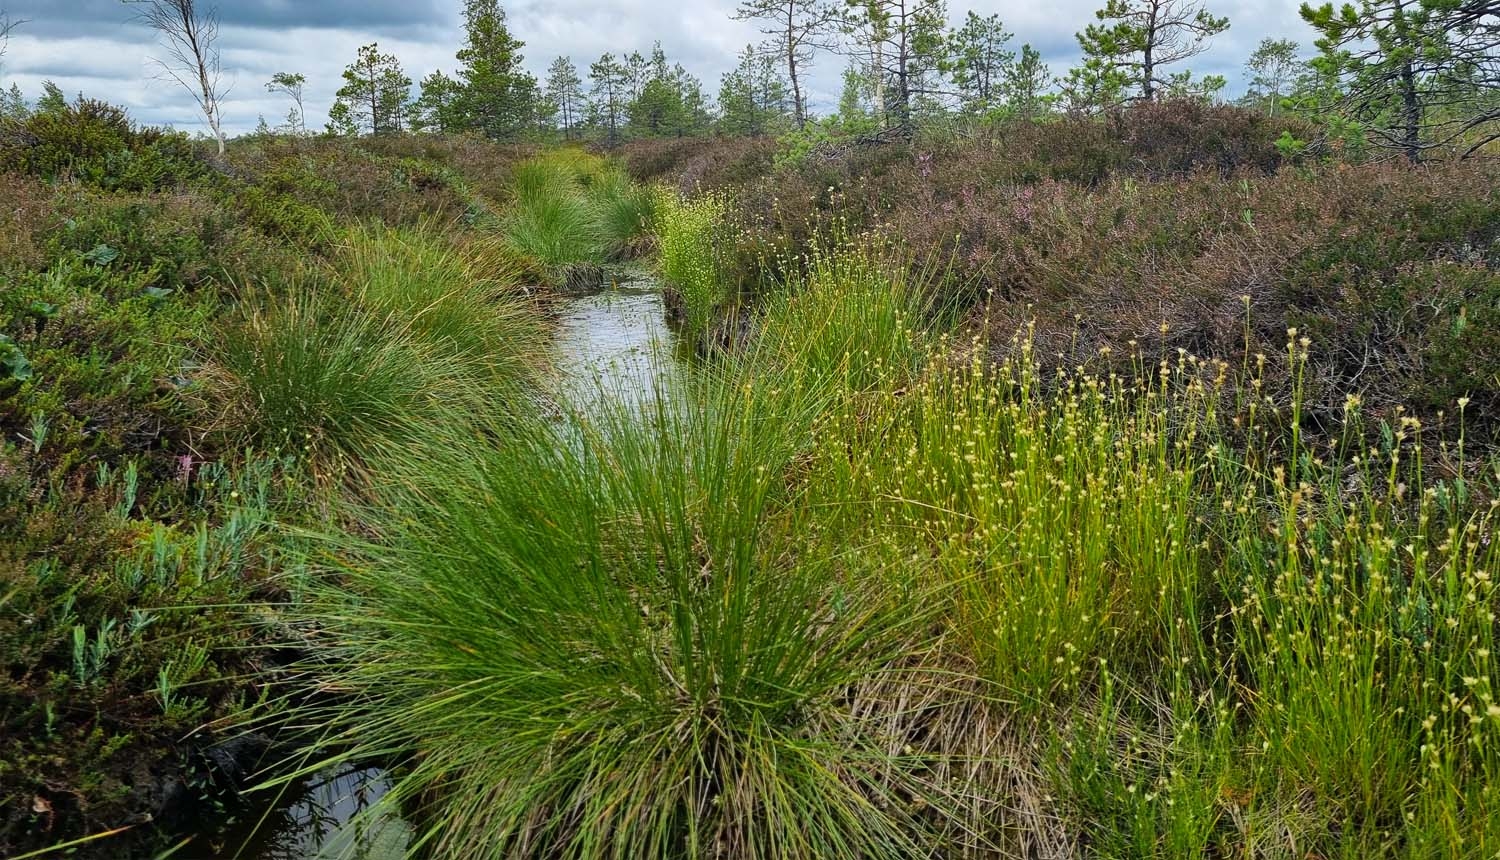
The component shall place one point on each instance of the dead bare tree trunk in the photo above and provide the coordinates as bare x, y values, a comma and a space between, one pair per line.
190, 34
798, 29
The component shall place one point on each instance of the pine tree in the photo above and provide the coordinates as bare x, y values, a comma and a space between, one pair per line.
52, 100
1025, 85
341, 121
498, 96
565, 91
637, 74
436, 108
655, 112
1415, 75
609, 95
670, 101
854, 115
797, 29
1182, 85
694, 117
904, 40
1095, 85
753, 99
374, 95
1147, 35
13, 105
978, 61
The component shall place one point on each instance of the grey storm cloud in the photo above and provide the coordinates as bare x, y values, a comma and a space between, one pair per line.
94, 47
93, 17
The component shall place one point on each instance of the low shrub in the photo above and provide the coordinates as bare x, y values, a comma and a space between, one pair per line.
1167, 263
694, 165
95, 143
297, 178
27, 216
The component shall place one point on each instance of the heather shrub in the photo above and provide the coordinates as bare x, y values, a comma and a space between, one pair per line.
1458, 352
26, 210
698, 164
291, 180
485, 165
1170, 263
1186, 135
95, 143
165, 242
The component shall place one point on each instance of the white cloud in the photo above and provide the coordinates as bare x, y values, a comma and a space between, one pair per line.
92, 46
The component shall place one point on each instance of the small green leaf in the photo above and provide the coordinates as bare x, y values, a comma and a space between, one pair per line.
13, 363
102, 255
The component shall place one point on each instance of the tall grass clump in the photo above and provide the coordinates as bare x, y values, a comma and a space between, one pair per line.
549, 218
851, 318
462, 307
1057, 513
625, 213
403, 335
1363, 611
609, 647
685, 234
1215, 650
302, 371
571, 207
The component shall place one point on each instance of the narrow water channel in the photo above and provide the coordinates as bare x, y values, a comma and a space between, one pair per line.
614, 345
610, 345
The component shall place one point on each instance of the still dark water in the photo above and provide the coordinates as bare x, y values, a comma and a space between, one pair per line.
613, 345
326, 816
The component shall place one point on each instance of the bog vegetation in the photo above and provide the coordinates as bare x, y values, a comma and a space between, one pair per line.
1061, 469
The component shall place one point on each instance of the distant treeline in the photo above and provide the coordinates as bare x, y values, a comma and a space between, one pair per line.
1397, 76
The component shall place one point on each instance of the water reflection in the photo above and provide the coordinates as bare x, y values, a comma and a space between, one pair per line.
614, 346
331, 814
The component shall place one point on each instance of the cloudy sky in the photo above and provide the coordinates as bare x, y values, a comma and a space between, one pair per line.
92, 46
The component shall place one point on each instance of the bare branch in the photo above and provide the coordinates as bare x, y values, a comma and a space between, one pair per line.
7, 24
189, 34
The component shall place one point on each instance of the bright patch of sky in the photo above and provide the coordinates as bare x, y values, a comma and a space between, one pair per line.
94, 47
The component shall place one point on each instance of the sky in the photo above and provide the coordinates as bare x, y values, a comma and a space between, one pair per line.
94, 47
